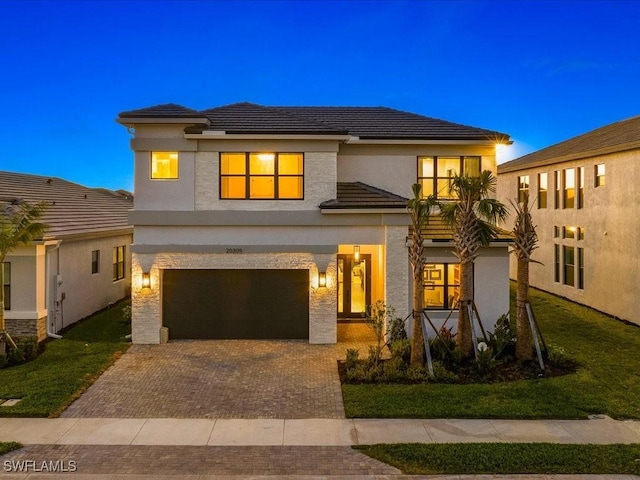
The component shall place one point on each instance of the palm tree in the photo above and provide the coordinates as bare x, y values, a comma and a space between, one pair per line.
19, 224
473, 216
525, 242
419, 210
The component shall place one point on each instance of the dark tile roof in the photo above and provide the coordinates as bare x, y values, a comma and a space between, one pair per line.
363, 122
360, 195
73, 209
438, 231
611, 138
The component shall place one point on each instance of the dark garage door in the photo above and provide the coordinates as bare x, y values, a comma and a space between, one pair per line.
236, 304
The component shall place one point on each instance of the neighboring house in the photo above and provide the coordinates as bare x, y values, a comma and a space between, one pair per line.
80, 266
278, 222
585, 202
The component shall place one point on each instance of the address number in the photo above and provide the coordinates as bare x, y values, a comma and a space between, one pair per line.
234, 250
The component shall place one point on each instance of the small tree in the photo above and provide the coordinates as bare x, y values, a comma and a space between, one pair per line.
474, 216
419, 209
19, 224
525, 242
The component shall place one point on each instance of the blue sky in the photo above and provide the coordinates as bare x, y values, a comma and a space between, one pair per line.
542, 71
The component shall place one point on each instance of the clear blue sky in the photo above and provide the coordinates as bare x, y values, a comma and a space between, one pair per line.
542, 71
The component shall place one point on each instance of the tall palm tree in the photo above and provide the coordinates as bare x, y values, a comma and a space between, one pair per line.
19, 224
525, 242
473, 216
419, 209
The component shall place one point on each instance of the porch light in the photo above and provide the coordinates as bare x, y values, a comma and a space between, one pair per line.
146, 280
322, 280
356, 253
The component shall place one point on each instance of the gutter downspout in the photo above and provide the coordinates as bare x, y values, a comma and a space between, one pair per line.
50, 334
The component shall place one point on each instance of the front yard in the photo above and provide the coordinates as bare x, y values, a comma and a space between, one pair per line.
607, 381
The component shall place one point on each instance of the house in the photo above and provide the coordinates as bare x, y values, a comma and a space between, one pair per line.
255, 221
585, 207
81, 265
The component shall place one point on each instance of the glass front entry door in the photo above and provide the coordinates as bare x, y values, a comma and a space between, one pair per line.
354, 285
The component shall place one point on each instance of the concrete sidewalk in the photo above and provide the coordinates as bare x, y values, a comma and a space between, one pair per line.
309, 432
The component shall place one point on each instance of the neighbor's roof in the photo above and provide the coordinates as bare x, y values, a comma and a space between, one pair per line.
616, 137
362, 122
73, 209
356, 195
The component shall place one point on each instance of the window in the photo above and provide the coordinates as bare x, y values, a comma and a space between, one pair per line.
581, 268
599, 175
262, 176
556, 231
7, 285
568, 265
95, 261
542, 190
441, 285
118, 263
568, 232
523, 189
435, 173
580, 187
568, 188
164, 165
556, 186
580, 233
556, 263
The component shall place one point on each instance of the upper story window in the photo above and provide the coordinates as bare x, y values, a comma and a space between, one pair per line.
435, 173
557, 186
580, 202
7, 285
542, 190
262, 176
599, 175
568, 188
118, 263
164, 165
95, 261
523, 189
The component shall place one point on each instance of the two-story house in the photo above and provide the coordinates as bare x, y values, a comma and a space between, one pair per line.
584, 205
277, 222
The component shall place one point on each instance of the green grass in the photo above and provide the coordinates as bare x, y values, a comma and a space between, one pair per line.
6, 447
67, 367
607, 382
508, 458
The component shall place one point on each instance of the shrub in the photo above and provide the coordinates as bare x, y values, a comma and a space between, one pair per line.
126, 314
485, 358
401, 349
442, 375
443, 346
558, 357
502, 340
377, 316
417, 373
396, 330
29, 346
15, 355
353, 355
3, 360
395, 369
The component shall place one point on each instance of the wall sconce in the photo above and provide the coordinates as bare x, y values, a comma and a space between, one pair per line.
146, 280
322, 280
356, 253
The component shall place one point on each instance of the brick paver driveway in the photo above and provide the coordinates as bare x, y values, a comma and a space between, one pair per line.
221, 379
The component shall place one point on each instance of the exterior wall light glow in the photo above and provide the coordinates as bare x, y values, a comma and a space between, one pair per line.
322, 280
146, 280
356, 253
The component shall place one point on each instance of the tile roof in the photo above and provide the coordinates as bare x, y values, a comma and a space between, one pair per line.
615, 137
73, 209
360, 195
363, 122
438, 231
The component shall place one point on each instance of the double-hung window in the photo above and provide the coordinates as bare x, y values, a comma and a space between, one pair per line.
262, 176
436, 173
118, 263
6, 284
599, 172
441, 285
542, 190
523, 189
568, 188
95, 261
557, 180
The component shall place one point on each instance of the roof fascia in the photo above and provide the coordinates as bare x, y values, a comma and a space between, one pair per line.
391, 141
217, 135
342, 211
164, 121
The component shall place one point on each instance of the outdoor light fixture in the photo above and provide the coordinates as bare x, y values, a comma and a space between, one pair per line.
356, 253
322, 280
146, 280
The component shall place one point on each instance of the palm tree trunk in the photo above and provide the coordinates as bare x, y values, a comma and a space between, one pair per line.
463, 337
523, 328
417, 337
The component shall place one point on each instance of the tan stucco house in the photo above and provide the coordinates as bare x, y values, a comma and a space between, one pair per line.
585, 202
278, 222
81, 265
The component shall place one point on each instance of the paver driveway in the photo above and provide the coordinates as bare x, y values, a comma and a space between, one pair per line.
221, 379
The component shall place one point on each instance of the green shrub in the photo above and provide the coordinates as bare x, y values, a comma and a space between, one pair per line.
15, 356
126, 314
396, 330
443, 346
375, 355
485, 360
353, 355
442, 375
3, 360
395, 370
502, 340
417, 373
557, 356
29, 346
401, 349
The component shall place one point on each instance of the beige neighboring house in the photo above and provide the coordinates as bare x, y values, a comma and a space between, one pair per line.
80, 266
278, 222
585, 205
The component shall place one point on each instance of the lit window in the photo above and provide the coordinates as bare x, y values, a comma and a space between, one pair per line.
7, 285
569, 188
164, 165
580, 187
118, 263
435, 173
557, 184
523, 189
599, 175
568, 265
542, 190
262, 176
441, 286
95, 261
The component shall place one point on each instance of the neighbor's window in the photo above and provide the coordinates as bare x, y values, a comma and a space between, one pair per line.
556, 263
581, 268
164, 165
568, 265
523, 189
557, 183
7, 285
441, 285
542, 190
435, 173
580, 187
264, 176
95, 261
118, 263
599, 175
568, 188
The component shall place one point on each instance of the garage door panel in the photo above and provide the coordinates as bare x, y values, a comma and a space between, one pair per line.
242, 304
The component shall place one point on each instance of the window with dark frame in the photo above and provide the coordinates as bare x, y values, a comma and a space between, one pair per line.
95, 261
436, 173
557, 180
581, 268
580, 182
568, 188
568, 265
599, 174
523, 189
556, 262
118, 263
542, 190
441, 286
261, 176
7, 285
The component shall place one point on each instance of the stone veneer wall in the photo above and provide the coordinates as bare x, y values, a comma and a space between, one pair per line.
147, 303
27, 327
397, 274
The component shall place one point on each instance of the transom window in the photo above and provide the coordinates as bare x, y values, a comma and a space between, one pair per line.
164, 165
542, 190
599, 175
441, 285
7, 285
262, 176
118, 263
435, 173
523, 189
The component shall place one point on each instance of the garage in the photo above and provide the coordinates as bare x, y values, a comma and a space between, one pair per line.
236, 304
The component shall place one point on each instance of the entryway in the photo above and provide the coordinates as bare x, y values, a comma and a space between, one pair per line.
354, 285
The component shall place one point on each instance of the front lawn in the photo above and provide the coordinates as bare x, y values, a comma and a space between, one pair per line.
508, 458
67, 367
607, 381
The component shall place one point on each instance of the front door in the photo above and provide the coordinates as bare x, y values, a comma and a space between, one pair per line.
354, 285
